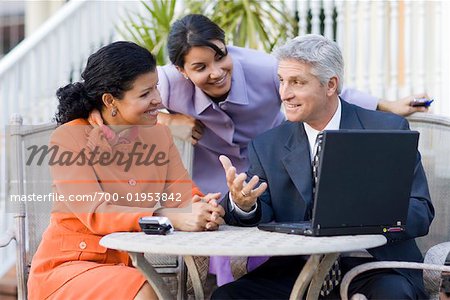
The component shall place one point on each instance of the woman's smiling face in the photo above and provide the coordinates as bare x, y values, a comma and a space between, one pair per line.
139, 106
208, 70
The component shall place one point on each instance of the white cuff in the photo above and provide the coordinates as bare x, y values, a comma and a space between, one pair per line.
242, 214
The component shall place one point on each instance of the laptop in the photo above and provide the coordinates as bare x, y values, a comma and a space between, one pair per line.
364, 184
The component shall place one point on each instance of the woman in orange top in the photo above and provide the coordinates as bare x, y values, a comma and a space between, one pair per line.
110, 176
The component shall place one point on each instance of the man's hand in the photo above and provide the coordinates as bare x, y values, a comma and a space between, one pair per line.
401, 107
244, 194
183, 126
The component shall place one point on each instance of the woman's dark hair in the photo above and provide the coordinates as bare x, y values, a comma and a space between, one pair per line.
112, 69
191, 31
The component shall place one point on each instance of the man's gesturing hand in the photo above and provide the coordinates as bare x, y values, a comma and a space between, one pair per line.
244, 194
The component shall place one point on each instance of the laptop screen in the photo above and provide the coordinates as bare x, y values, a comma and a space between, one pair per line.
365, 180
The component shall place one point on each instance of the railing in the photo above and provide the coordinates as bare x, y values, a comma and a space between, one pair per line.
54, 55
391, 49
50, 58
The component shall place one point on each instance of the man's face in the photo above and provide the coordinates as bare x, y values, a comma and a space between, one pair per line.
304, 97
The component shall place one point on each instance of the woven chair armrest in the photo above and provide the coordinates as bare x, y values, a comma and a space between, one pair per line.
432, 278
384, 265
6, 238
437, 254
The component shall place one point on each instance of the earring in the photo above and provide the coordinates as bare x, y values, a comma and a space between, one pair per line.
114, 112
185, 76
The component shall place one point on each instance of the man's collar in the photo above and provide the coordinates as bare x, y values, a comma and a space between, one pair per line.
333, 124
349, 117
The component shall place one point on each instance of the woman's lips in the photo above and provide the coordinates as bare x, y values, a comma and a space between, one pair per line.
151, 112
220, 81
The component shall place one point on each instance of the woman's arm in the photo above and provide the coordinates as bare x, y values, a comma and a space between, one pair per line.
365, 100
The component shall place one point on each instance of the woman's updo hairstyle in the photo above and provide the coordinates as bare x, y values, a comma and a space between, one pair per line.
112, 69
193, 31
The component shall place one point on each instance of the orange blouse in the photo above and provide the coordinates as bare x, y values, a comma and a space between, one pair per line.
103, 195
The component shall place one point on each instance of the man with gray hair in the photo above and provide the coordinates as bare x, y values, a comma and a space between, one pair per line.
280, 185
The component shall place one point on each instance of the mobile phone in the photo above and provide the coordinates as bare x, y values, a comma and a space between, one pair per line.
155, 225
421, 102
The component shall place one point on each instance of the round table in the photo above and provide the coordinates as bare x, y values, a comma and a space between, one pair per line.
240, 241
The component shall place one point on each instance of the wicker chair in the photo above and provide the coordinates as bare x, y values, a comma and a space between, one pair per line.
434, 145
32, 217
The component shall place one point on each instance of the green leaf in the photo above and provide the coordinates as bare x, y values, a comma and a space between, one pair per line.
260, 24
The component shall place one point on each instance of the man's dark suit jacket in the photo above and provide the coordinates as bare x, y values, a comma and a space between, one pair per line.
281, 157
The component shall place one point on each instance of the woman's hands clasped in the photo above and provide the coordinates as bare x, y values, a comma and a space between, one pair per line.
204, 213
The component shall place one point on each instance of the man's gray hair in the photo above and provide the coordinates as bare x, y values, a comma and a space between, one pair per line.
321, 53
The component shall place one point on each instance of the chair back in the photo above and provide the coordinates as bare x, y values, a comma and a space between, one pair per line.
186, 152
434, 146
173, 268
29, 191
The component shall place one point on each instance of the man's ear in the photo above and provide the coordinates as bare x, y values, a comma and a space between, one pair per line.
108, 100
332, 87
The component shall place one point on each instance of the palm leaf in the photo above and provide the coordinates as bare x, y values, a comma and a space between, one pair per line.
248, 23
151, 29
